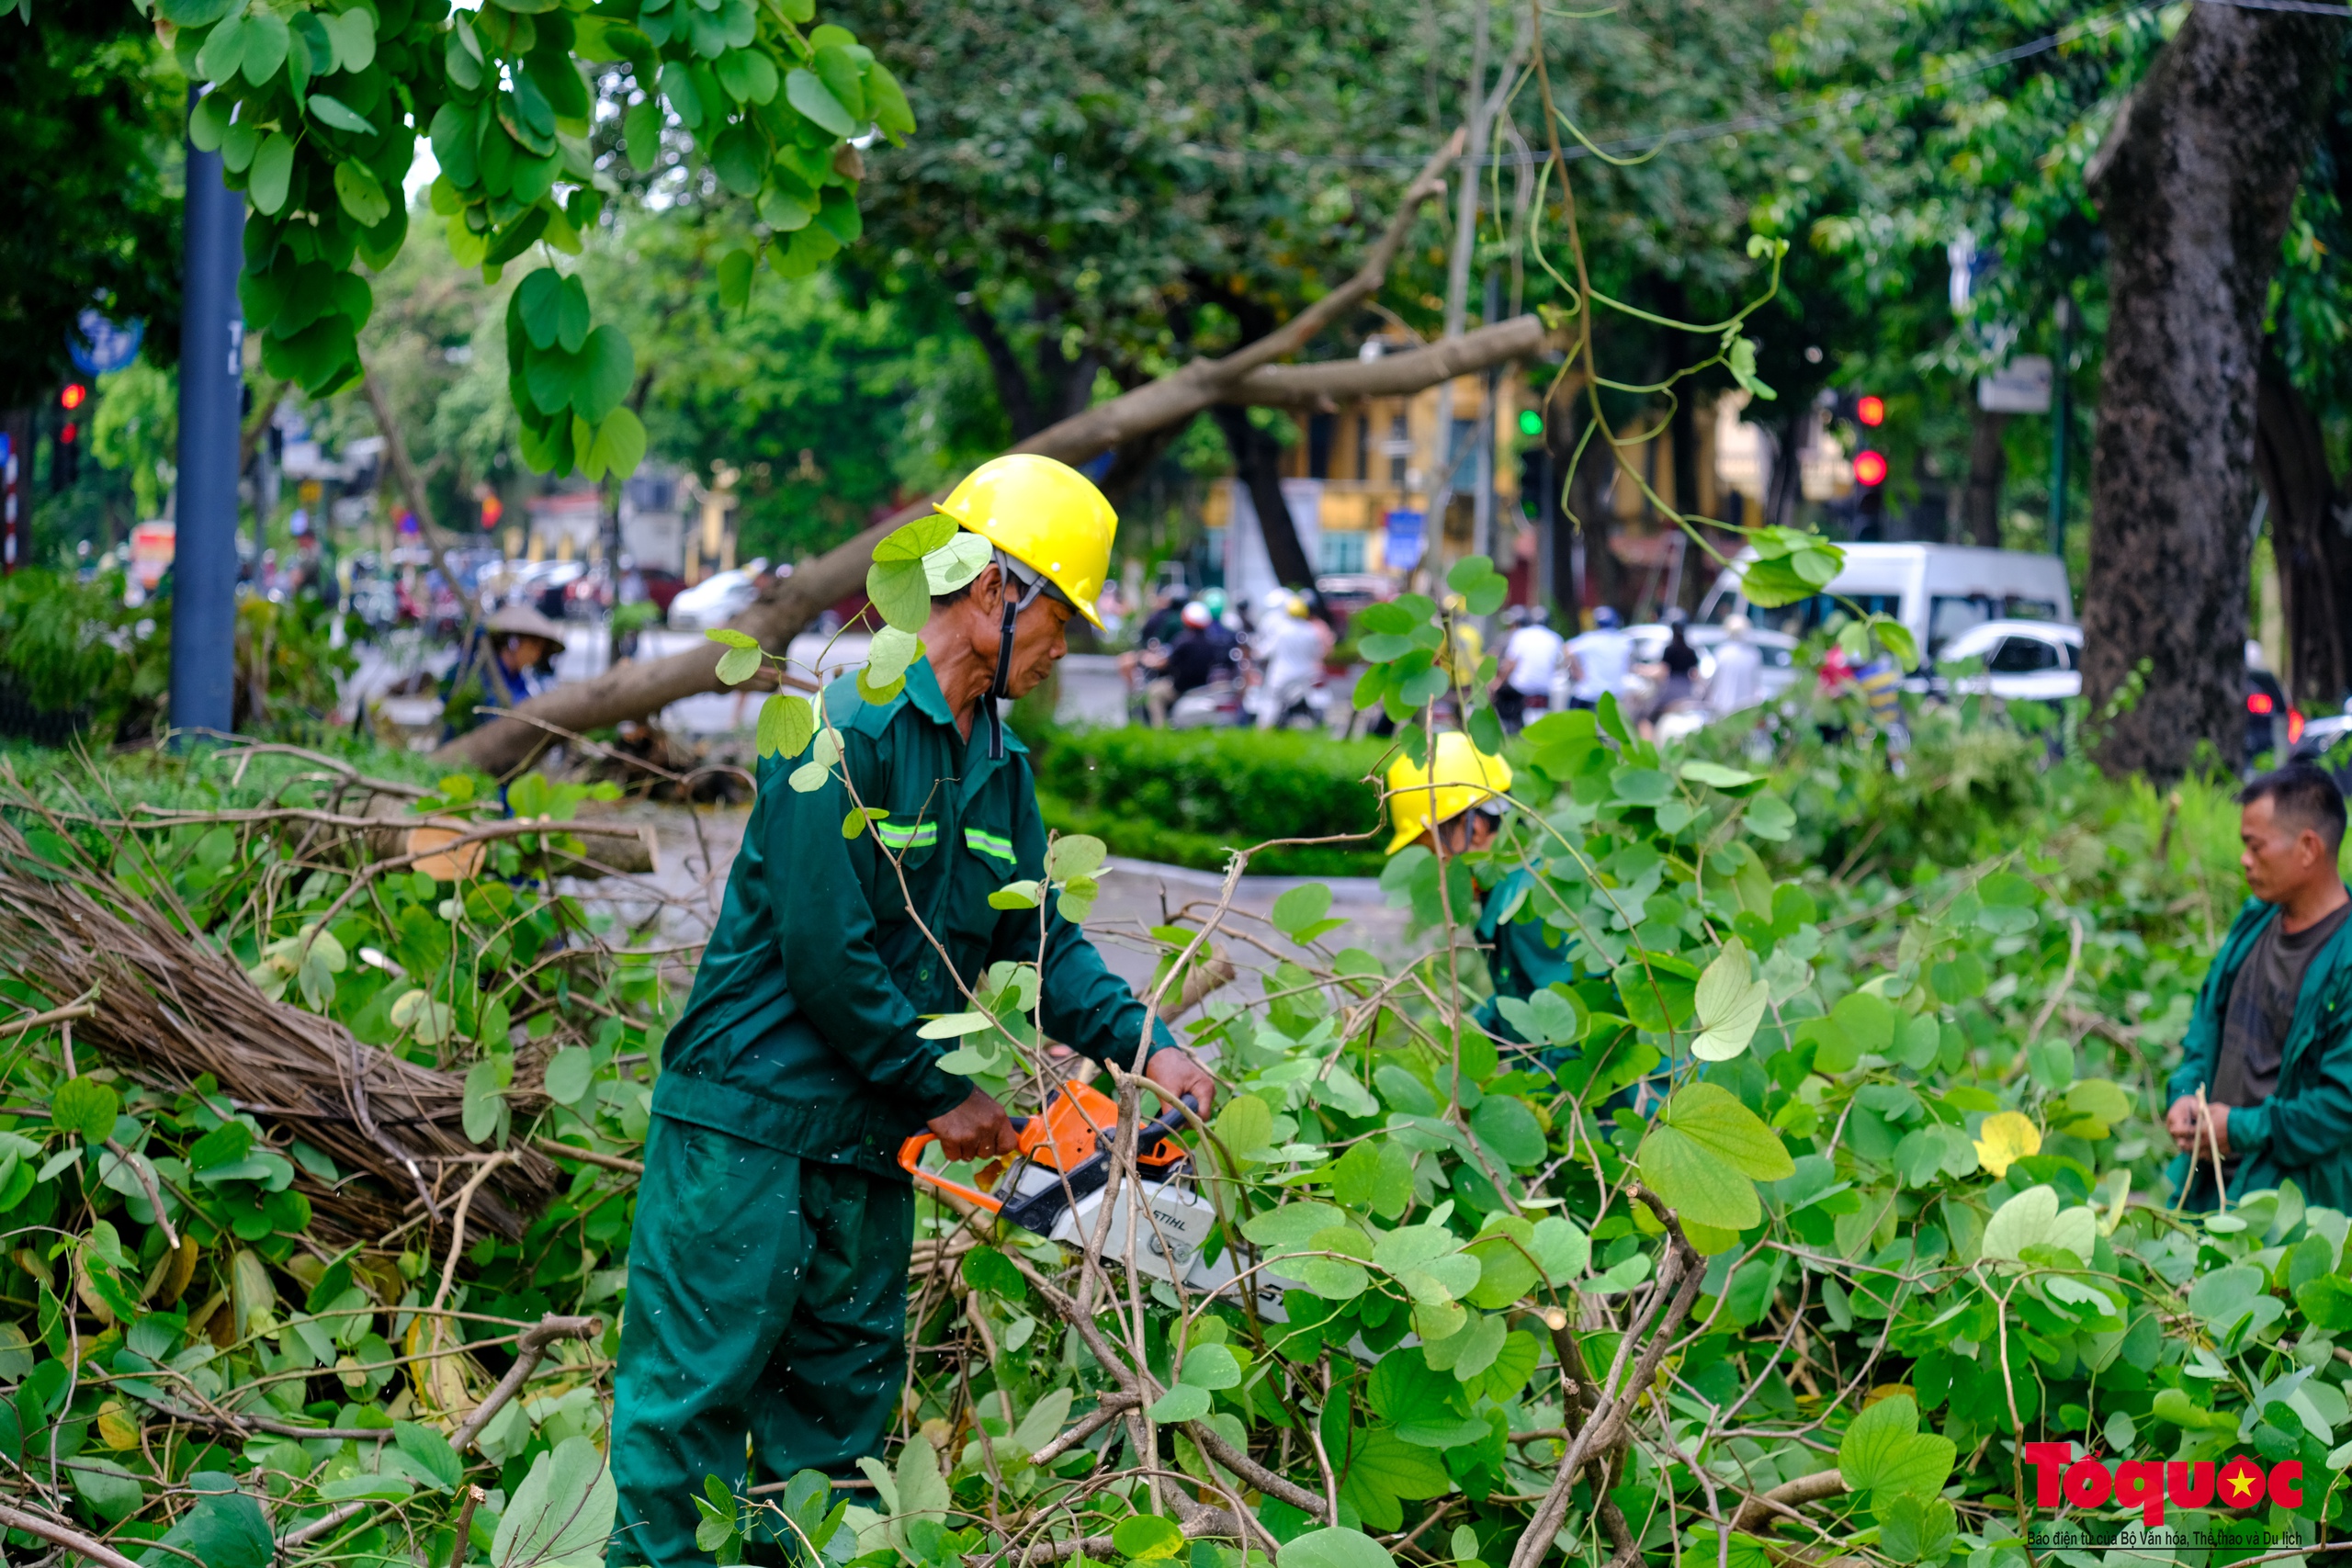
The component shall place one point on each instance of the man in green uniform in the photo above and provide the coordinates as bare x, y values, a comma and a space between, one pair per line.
1456, 805
767, 1294
2265, 1081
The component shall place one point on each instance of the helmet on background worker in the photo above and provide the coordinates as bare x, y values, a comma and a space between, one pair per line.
1459, 778
1052, 531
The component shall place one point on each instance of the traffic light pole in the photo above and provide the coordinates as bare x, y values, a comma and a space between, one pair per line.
204, 553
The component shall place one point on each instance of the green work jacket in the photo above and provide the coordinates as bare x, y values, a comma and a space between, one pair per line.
1519, 960
2303, 1132
801, 1033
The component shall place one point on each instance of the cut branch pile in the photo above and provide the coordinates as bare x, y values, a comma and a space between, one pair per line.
173, 1006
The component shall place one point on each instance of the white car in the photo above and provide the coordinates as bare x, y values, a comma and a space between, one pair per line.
717, 598
2021, 660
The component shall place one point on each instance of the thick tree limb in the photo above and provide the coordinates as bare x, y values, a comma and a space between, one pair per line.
632, 691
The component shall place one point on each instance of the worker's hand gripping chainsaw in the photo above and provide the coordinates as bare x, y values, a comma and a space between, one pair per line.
1057, 1186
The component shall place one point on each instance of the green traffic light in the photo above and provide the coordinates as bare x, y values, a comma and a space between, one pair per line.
1530, 423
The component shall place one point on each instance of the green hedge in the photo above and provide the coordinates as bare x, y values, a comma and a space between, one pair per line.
1185, 797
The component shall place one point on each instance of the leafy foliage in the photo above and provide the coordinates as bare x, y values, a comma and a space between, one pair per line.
315, 116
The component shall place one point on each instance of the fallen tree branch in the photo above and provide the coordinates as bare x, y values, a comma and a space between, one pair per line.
87, 1007
66, 1535
1787, 1497
588, 1157
634, 690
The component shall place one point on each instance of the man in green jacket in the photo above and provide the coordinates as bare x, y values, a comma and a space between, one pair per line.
767, 1290
2265, 1083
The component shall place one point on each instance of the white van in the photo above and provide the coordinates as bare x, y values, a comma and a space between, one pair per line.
1938, 591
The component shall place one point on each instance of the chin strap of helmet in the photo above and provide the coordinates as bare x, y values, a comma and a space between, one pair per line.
1031, 584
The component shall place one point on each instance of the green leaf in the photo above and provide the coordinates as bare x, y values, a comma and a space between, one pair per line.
222, 56
264, 49
607, 364
356, 187
1073, 855
1211, 1366
1730, 1005
563, 1512
956, 562
194, 13
338, 114
1716, 775
1382, 1470
1300, 908
430, 1453
85, 1106
618, 448
353, 33
1884, 1452
1146, 1537
1896, 638
900, 591
272, 167
786, 723
737, 665
1182, 1402
956, 1025
804, 91
889, 654
735, 279
571, 1075
1336, 1548
1705, 1155
225, 1529
112, 1492
641, 133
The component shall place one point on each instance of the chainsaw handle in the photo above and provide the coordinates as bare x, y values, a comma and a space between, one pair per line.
910, 1161
1166, 1123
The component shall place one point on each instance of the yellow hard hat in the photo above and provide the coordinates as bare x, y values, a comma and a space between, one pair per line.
1045, 514
1462, 777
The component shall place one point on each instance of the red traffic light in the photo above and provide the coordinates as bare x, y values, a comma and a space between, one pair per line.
1870, 411
1869, 468
69, 434
73, 396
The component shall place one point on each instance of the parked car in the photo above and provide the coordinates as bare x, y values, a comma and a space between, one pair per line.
717, 598
2014, 660
1940, 591
2042, 662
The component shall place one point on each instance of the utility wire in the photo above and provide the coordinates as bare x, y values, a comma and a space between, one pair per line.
1836, 107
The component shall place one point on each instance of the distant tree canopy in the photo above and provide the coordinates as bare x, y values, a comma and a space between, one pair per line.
89, 113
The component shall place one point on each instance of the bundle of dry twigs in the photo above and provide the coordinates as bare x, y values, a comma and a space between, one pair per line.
168, 1004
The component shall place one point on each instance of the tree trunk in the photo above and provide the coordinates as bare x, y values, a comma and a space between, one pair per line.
1257, 461
1989, 470
2308, 538
2196, 182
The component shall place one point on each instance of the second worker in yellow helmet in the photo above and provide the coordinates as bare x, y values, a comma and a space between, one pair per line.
1456, 804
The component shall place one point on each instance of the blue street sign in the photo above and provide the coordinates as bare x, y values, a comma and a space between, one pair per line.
100, 347
1404, 545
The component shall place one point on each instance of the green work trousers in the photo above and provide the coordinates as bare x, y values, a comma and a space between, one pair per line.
767, 1308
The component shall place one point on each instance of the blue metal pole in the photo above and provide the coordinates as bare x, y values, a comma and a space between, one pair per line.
204, 553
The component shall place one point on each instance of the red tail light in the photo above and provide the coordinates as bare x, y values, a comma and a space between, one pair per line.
2257, 702
2294, 726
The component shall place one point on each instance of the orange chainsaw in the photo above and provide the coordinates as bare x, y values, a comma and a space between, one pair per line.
1055, 1186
